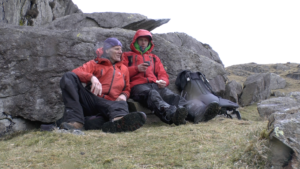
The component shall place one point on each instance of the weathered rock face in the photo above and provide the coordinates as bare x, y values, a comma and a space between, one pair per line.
106, 20
277, 82
32, 61
33, 12
267, 107
256, 88
233, 90
284, 130
182, 39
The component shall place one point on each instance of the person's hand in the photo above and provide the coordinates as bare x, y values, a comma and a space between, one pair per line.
161, 83
96, 86
122, 97
142, 67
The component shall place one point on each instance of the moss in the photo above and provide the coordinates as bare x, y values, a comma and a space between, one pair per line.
21, 22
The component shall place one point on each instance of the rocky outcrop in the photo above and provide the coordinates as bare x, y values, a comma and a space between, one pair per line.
280, 104
33, 12
106, 20
184, 40
277, 82
256, 88
233, 89
34, 59
284, 138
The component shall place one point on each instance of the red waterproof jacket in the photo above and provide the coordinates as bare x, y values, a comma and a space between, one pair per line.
133, 58
114, 78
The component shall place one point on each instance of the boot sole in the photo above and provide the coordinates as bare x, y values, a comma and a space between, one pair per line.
211, 111
179, 116
129, 122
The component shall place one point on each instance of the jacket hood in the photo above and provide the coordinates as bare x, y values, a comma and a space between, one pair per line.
100, 59
139, 33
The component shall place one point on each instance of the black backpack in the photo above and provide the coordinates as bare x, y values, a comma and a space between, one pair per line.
196, 89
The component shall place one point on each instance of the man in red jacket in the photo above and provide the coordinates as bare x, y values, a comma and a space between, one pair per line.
148, 81
108, 80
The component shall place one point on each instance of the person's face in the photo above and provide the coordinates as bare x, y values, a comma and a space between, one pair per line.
114, 53
143, 42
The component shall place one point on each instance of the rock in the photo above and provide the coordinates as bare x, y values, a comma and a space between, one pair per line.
184, 40
33, 60
106, 20
10, 125
34, 13
256, 88
218, 85
284, 128
281, 67
277, 82
278, 94
267, 107
233, 89
294, 75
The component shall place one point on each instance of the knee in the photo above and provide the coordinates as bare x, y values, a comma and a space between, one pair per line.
67, 77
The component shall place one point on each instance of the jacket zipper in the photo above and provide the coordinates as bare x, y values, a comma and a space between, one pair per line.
112, 80
145, 72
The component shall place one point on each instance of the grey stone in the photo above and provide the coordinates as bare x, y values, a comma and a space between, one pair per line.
233, 89
256, 88
106, 20
280, 104
34, 13
284, 128
294, 75
184, 40
277, 82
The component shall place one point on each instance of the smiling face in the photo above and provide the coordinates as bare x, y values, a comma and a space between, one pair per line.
143, 42
114, 53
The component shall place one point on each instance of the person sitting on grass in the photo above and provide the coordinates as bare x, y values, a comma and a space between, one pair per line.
109, 82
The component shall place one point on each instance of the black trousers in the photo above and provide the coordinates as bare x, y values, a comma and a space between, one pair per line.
156, 99
80, 102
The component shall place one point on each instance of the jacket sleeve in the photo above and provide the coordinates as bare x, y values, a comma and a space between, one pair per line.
160, 71
126, 91
133, 70
85, 72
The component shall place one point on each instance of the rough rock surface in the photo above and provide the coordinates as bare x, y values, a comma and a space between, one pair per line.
106, 20
34, 13
233, 89
256, 88
33, 59
267, 107
277, 82
182, 39
284, 128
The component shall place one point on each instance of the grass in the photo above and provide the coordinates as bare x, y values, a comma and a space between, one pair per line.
219, 143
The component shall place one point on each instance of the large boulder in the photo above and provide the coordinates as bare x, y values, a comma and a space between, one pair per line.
277, 82
33, 12
34, 59
256, 88
267, 107
106, 20
182, 39
233, 89
284, 128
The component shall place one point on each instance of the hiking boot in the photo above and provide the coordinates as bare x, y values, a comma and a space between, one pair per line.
129, 122
48, 127
210, 112
179, 116
71, 126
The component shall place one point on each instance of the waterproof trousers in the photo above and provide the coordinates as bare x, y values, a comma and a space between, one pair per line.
80, 102
157, 99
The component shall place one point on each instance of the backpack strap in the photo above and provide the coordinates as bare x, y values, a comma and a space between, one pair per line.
129, 60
